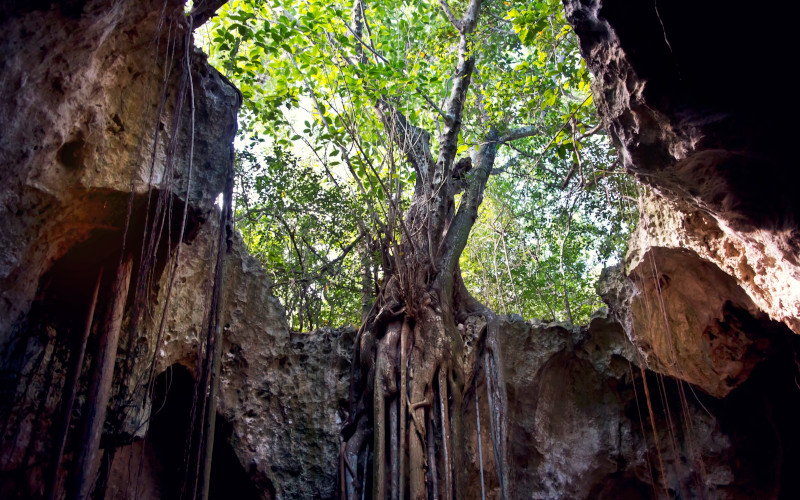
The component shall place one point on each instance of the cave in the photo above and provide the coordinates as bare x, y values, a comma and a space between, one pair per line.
685, 384
154, 467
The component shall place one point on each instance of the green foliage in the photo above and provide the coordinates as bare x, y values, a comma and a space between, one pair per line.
302, 228
557, 212
535, 244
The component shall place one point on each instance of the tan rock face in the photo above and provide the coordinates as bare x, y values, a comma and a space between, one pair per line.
280, 390
698, 287
577, 424
82, 83
81, 142
717, 191
690, 320
767, 272
79, 122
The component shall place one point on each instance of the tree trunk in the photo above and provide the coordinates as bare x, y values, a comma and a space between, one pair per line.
422, 290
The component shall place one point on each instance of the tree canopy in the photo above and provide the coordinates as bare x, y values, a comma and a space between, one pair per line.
322, 185
379, 139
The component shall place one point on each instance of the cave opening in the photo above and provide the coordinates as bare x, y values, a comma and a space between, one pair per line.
49, 354
761, 416
758, 417
164, 451
40, 359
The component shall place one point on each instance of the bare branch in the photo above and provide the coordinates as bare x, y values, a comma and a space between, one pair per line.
521, 132
413, 141
357, 36
358, 28
597, 128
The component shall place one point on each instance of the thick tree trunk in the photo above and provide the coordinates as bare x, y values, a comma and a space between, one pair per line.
422, 291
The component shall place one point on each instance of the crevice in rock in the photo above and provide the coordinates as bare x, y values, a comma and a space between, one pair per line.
228, 478
41, 350
153, 467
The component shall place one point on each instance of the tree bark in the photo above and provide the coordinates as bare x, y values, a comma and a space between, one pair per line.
447, 471
384, 385
422, 289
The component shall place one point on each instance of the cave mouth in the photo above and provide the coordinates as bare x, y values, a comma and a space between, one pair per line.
228, 478
172, 404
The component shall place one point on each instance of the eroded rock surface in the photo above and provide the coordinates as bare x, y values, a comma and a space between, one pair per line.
280, 390
82, 84
578, 423
683, 124
769, 275
718, 183
97, 132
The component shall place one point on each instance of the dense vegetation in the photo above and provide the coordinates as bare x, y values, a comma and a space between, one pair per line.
315, 165
373, 133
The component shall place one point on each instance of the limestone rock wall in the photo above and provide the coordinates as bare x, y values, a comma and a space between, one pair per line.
91, 140
280, 391
578, 425
719, 214
89, 132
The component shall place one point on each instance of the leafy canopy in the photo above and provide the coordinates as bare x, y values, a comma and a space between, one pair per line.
316, 170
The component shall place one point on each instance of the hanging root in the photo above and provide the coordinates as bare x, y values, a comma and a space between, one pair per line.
480, 446
68, 400
404, 391
432, 474
352, 449
405, 332
394, 444
100, 385
384, 386
445, 417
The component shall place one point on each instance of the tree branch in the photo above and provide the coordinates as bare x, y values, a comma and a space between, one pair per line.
521, 133
448, 13
458, 233
470, 19
597, 128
